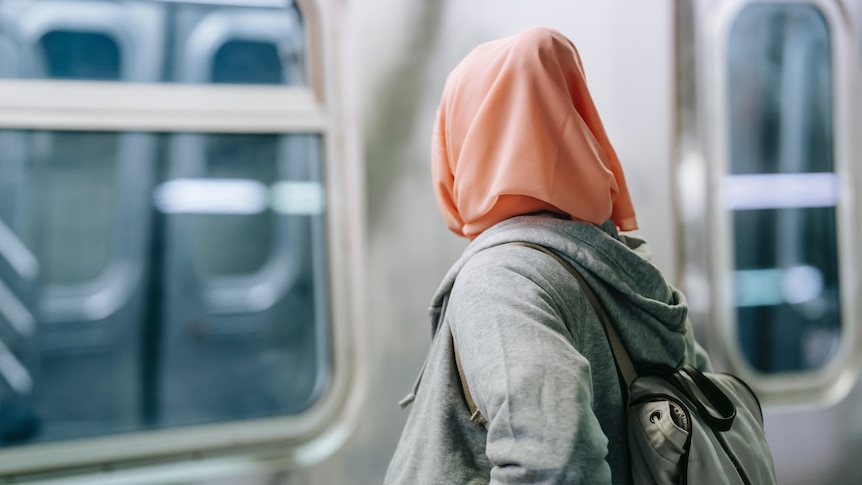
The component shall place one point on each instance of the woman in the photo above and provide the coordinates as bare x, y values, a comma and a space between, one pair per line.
520, 154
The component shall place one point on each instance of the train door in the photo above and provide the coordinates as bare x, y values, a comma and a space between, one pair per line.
244, 245
774, 175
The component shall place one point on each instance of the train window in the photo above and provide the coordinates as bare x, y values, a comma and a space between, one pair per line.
71, 174
167, 280
248, 228
189, 42
238, 46
208, 345
80, 55
97, 40
781, 187
257, 278
778, 84
245, 62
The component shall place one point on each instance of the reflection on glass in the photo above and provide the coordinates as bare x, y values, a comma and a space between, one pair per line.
80, 55
244, 303
72, 174
245, 62
182, 277
249, 236
227, 322
781, 188
184, 42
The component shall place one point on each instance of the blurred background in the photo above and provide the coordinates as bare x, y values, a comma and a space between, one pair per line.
218, 239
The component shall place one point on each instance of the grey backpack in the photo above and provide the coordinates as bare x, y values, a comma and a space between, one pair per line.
684, 426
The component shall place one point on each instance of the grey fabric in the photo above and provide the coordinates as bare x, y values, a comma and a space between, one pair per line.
536, 359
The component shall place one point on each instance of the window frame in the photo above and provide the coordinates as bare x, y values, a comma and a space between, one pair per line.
319, 108
834, 380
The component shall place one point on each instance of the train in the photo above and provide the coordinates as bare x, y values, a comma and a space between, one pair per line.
219, 241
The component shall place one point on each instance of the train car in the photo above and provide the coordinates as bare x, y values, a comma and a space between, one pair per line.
218, 238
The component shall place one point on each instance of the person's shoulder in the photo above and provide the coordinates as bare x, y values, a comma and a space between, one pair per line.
508, 262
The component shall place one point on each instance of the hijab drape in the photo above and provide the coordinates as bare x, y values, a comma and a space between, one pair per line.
517, 132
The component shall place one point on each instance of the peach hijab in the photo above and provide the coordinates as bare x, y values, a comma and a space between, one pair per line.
517, 132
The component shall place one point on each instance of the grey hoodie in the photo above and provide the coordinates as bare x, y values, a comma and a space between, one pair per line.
536, 359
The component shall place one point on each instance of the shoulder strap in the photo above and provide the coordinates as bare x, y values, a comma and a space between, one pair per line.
621, 355
475, 414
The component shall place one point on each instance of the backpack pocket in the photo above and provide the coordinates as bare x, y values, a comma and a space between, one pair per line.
659, 437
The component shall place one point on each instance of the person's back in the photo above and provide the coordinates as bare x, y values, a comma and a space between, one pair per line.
520, 156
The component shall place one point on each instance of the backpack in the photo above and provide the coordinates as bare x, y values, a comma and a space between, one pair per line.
684, 426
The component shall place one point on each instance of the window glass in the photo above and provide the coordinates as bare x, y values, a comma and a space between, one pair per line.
781, 187
74, 173
80, 55
181, 277
184, 42
247, 228
249, 308
192, 319
245, 62
71, 174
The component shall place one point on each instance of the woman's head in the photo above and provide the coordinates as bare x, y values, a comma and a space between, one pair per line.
517, 132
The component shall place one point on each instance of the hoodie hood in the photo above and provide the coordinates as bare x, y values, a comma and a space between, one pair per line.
646, 311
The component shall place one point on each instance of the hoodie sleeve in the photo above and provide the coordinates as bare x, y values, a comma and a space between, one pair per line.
525, 371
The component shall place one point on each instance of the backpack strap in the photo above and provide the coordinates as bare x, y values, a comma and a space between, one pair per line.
624, 363
475, 415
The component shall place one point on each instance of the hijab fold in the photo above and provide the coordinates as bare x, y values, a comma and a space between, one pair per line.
517, 132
